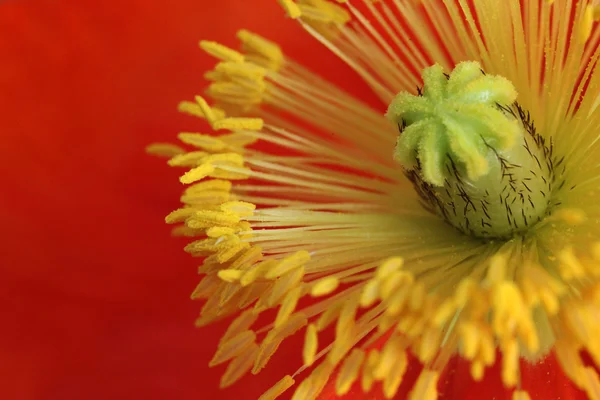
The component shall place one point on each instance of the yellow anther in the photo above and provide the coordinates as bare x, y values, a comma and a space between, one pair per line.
190, 159
214, 76
221, 52
257, 271
206, 110
288, 305
251, 124
230, 275
229, 249
246, 89
240, 208
391, 351
508, 306
569, 265
237, 94
218, 231
510, 363
311, 344
205, 142
520, 395
207, 219
426, 386
324, 11
349, 371
367, 374
388, 267
278, 389
233, 159
242, 70
206, 198
409, 323
239, 139
477, 369
183, 231
497, 269
210, 185
487, 351
260, 50
417, 296
291, 9
244, 229
248, 258
549, 300
370, 293
464, 291
179, 215
191, 108
325, 286
164, 150
393, 282
197, 173
289, 263
392, 382
201, 246
201, 109
470, 337
444, 313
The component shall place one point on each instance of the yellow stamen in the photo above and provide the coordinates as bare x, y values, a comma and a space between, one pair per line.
260, 50
311, 345
291, 9
221, 52
325, 286
279, 388
251, 124
164, 150
288, 264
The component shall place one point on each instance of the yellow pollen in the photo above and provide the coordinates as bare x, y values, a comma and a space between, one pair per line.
325, 286
251, 124
261, 51
291, 9
520, 395
221, 52
288, 264
164, 150
205, 142
279, 388
311, 345
425, 388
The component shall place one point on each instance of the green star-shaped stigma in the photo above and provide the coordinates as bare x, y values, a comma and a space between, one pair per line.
456, 116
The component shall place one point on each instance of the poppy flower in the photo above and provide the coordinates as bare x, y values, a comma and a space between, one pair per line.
451, 225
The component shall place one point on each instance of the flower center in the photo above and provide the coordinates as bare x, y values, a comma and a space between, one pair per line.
473, 153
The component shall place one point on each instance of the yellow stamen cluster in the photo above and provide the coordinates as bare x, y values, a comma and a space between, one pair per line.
323, 16
323, 229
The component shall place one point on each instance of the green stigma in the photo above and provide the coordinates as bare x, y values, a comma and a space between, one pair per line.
472, 152
454, 115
